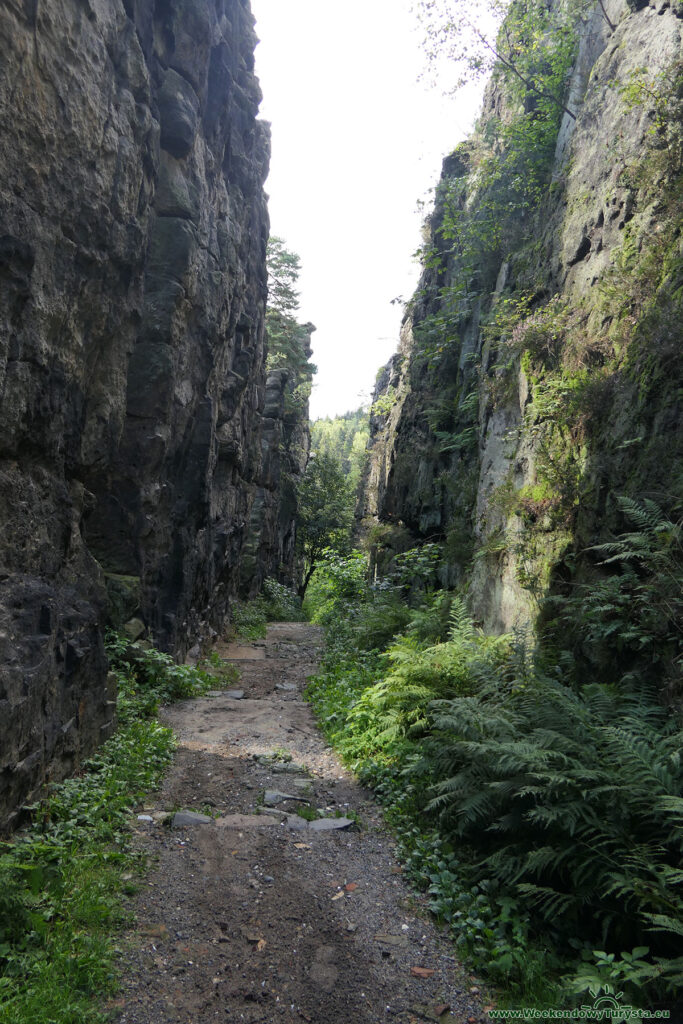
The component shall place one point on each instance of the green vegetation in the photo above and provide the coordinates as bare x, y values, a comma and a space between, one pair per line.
287, 340
497, 35
275, 603
325, 512
64, 877
383, 405
537, 799
536, 786
328, 490
346, 438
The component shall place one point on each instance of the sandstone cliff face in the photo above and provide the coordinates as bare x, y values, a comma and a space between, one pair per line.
133, 229
557, 380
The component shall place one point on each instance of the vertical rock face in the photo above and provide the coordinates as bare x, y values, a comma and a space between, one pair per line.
133, 229
270, 547
540, 379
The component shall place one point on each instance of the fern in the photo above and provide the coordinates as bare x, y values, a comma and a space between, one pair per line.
572, 800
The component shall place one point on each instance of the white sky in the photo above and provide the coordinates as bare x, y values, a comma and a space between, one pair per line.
357, 141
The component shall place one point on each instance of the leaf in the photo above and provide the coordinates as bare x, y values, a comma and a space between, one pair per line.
301, 846
421, 972
338, 896
351, 887
261, 945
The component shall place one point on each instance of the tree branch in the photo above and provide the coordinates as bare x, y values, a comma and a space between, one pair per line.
510, 65
605, 15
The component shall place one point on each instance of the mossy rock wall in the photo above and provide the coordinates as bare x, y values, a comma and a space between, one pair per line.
536, 384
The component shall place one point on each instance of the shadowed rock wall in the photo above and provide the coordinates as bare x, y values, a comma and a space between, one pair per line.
133, 229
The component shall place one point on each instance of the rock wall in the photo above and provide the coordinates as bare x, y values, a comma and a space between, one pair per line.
270, 550
133, 230
535, 385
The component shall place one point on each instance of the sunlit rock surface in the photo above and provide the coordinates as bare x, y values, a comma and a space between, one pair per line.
480, 485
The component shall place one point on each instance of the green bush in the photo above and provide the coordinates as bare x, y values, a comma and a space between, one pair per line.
249, 621
543, 818
280, 603
573, 802
147, 678
398, 705
624, 623
62, 880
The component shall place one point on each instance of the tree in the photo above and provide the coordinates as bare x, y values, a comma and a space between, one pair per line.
288, 341
346, 438
522, 37
325, 513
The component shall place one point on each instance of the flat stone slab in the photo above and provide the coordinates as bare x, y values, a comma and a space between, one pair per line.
182, 819
392, 940
287, 687
303, 785
330, 824
286, 768
272, 797
237, 652
296, 823
245, 821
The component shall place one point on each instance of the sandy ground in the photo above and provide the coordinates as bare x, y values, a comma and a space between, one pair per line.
256, 916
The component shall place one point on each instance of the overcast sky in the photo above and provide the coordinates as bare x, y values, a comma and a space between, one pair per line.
357, 142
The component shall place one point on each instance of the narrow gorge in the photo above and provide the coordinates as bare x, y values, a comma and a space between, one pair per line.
448, 623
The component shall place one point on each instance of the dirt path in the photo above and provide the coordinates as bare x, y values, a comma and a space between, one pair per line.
265, 917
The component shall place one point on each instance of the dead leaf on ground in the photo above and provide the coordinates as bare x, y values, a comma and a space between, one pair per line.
154, 931
301, 846
421, 972
261, 945
351, 887
338, 896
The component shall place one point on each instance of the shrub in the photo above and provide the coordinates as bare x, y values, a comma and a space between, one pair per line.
281, 603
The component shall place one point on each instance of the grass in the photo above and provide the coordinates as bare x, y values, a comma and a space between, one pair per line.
63, 879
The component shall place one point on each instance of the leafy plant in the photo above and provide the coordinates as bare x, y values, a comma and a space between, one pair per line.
63, 879
325, 513
147, 678
249, 620
609, 973
383, 405
626, 620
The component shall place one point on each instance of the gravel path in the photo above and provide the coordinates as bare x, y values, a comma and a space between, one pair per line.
257, 915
